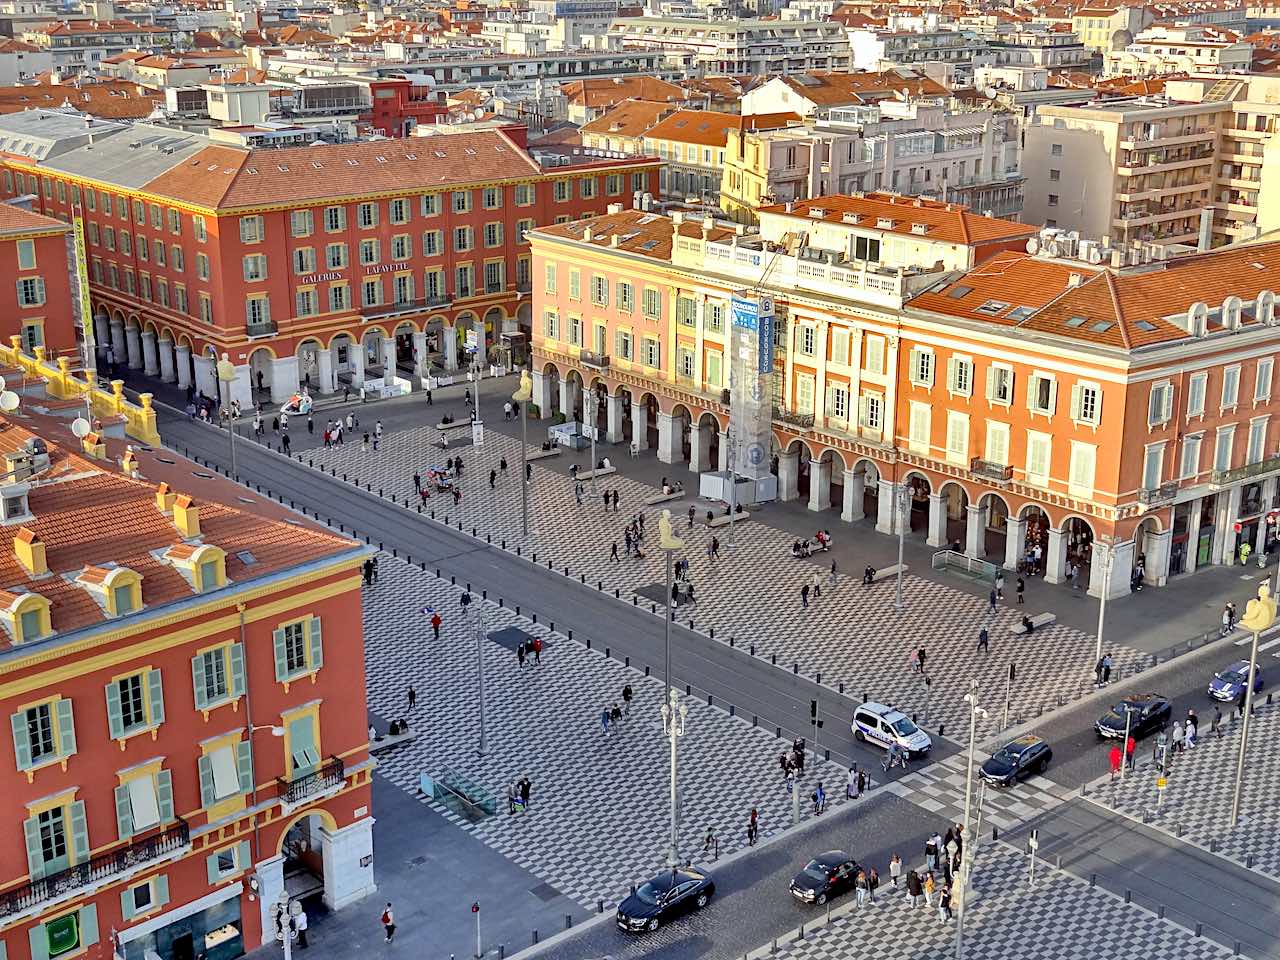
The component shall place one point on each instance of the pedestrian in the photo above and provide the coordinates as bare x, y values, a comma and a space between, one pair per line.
493, 478
709, 841
915, 888
927, 887
300, 924
1022, 589
851, 791
506, 410
862, 781
467, 396
537, 651
873, 882
577, 491
1191, 728
984, 641
819, 799
920, 659
1106, 668
605, 499
692, 513
311, 425
435, 624
284, 444
991, 601
615, 500
615, 715
613, 553
753, 828
375, 569
626, 698
895, 869
1097, 673
525, 788
861, 886
604, 720
413, 698
804, 597
520, 652
429, 400
944, 905
999, 584
366, 570
786, 767
817, 586
1215, 725
931, 853
1176, 737
388, 922
833, 570
1115, 760
1160, 754
1130, 746
365, 445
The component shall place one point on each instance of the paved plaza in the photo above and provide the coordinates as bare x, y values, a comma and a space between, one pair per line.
1200, 786
849, 634
599, 810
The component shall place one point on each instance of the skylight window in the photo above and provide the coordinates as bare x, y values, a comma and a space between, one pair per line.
1144, 325
959, 291
1102, 326
1021, 313
1077, 322
992, 308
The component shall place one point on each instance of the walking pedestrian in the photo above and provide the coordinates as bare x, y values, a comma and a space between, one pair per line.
626, 698
915, 888
833, 570
1021, 588
604, 720
931, 852
895, 869
615, 500
388, 922
537, 651
520, 654
999, 584
862, 781
1097, 673
367, 570
873, 882
525, 789
1115, 760
1176, 737
991, 601
753, 827
984, 641
284, 444
851, 783
819, 799
613, 553
944, 905
615, 715
692, 513
817, 586
804, 597
429, 400
1192, 727
435, 624
413, 698
1130, 746
786, 767
300, 924
1215, 725
577, 491
920, 659
417, 482
311, 425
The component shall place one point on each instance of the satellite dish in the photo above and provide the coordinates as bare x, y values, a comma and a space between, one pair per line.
1095, 255
9, 401
990, 92
80, 427
1033, 246
1051, 248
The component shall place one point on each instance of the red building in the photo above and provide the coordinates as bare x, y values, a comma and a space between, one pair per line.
399, 106
315, 264
37, 305
183, 673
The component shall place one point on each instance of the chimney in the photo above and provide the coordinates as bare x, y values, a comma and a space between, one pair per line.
1206, 230
164, 499
706, 228
186, 516
1117, 259
1074, 280
615, 240
29, 550
614, 208
677, 218
586, 235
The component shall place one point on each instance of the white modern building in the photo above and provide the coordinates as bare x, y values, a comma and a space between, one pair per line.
766, 47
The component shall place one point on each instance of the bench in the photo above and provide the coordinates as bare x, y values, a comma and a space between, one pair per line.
387, 741
456, 425
884, 573
658, 498
599, 472
1039, 621
723, 519
543, 454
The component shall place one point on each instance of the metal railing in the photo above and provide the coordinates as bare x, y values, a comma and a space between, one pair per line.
99, 867
802, 420
1158, 496
264, 329
1220, 478
988, 470
329, 774
592, 359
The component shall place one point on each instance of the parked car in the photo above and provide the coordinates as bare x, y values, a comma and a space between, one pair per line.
1024, 757
1149, 712
664, 898
884, 726
825, 876
1229, 683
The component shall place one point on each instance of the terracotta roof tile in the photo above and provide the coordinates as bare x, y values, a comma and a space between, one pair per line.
630, 118
14, 219
830, 89
707, 128
647, 234
951, 222
606, 91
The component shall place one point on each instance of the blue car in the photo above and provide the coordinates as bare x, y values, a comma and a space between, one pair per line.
1228, 684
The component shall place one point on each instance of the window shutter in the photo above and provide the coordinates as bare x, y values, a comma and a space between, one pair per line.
991, 383
155, 694
164, 795
235, 653
317, 647
1097, 406
35, 858
21, 740
1032, 383
915, 364
124, 812
115, 711
206, 782
211, 869
244, 764
66, 729
126, 903
242, 855
39, 942
1053, 396
951, 373
161, 890
79, 832
197, 681
1167, 404
282, 663
1075, 401
863, 404
88, 925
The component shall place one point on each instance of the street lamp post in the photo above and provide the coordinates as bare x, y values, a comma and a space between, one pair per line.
477, 626
227, 376
903, 496
1105, 559
522, 396
968, 842
475, 379
673, 724
1258, 616
732, 461
595, 417
669, 544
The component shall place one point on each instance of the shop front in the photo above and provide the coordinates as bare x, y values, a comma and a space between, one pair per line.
212, 931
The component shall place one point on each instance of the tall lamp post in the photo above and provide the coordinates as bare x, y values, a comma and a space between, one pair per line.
592, 409
475, 378
1258, 616
477, 627
903, 497
968, 842
669, 544
730, 437
673, 712
1105, 559
522, 396
226, 377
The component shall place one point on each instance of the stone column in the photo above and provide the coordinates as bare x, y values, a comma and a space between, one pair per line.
133, 345
167, 372
541, 394
668, 438
886, 493
1193, 533
1122, 555
1224, 534
347, 878
325, 374
566, 399
699, 448
788, 476
207, 378
613, 411
482, 343
355, 364
270, 874
241, 386
150, 358
855, 490
284, 379
420, 364
819, 485
640, 426
449, 343
1015, 537
387, 357
102, 332
975, 532
182, 360
118, 344
1055, 556
937, 535
1157, 549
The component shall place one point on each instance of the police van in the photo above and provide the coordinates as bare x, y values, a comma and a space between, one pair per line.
885, 726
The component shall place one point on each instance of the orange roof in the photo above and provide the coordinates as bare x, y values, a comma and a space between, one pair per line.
606, 91
832, 89
630, 118
647, 234
708, 128
945, 222
1011, 278
97, 26
108, 100
16, 46
16, 220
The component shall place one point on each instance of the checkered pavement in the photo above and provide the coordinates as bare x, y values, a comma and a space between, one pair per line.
1060, 918
849, 634
599, 809
1200, 786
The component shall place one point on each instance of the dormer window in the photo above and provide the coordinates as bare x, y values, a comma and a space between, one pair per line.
25, 615
14, 507
203, 565
118, 590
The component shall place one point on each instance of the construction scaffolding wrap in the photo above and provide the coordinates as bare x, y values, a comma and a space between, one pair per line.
750, 394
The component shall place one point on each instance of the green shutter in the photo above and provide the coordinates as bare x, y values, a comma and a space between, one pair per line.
35, 856
197, 681
302, 745
235, 682
161, 889
206, 782
39, 942
79, 832
66, 728
317, 648
282, 661
212, 873
243, 860
124, 812
115, 711
164, 795
244, 764
126, 903
155, 693
21, 740
88, 925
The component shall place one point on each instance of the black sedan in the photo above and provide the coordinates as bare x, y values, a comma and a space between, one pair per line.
665, 897
825, 876
1023, 757
1145, 714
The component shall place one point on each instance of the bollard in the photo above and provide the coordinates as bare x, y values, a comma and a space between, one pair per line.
800, 932
568, 921
1248, 860
942, 729
535, 938
646, 669
795, 668
626, 661
688, 690
588, 643
1237, 949
582, 578
517, 609
841, 686
379, 491
453, 580
708, 699
394, 554
753, 649
606, 653
755, 721
817, 678
502, 602
502, 951
731, 710
535, 616
1160, 911
484, 594
535, 558
774, 658
599, 906
778, 732
1057, 862
1093, 879
827, 754
600, 586
731, 641
1128, 896
995, 833
1213, 846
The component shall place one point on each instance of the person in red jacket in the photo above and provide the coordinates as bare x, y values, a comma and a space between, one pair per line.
1115, 760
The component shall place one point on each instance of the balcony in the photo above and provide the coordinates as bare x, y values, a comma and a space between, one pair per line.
802, 420
1224, 478
990, 471
597, 361
266, 328
324, 779
1158, 496
97, 869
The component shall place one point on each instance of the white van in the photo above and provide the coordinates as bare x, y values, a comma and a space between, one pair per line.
875, 723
